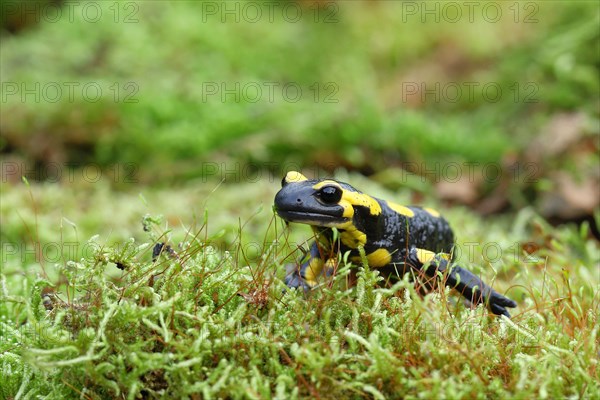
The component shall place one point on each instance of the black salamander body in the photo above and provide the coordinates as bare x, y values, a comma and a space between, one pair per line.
396, 239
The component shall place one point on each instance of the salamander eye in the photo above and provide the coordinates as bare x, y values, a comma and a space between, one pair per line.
283, 182
330, 194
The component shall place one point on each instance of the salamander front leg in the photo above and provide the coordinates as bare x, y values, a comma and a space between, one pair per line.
305, 275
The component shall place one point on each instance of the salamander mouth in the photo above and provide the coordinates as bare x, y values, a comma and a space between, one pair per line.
310, 218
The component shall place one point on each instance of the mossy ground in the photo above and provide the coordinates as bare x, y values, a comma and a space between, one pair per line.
86, 313
209, 319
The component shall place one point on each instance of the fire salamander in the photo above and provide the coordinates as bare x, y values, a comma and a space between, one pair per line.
396, 239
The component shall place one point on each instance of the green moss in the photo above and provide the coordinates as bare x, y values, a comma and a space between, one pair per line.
201, 321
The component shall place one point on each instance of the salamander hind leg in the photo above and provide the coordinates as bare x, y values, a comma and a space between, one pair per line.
477, 291
465, 282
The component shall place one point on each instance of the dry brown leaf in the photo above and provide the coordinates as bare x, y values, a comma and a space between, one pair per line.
571, 199
464, 190
561, 132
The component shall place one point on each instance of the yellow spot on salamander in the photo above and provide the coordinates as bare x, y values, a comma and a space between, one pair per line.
426, 256
379, 258
350, 198
294, 176
432, 212
310, 283
352, 237
327, 182
361, 199
330, 265
313, 270
402, 210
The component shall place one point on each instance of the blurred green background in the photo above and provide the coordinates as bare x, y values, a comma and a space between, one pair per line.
489, 104
188, 114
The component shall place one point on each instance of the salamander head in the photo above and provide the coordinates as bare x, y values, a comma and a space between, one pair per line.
323, 203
